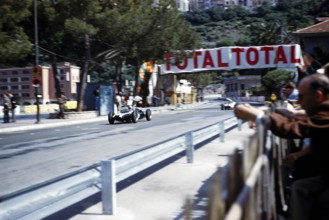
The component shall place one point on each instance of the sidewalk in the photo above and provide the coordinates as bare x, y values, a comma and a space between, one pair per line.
162, 195
29, 123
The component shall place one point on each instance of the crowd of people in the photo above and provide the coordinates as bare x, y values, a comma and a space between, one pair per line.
9, 106
307, 119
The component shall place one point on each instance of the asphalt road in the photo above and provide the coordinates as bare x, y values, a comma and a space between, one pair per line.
31, 157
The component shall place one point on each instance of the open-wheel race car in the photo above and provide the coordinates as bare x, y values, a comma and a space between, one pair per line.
128, 112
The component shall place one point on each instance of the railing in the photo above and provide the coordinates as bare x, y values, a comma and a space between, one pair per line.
40, 201
256, 181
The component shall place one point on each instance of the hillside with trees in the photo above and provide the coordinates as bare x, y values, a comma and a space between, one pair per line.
267, 25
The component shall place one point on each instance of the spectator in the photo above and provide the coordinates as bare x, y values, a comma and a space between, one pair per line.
96, 98
13, 107
61, 102
289, 91
324, 70
155, 100
314, 99
6, 107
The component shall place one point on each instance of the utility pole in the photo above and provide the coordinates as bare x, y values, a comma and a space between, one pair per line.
36, 44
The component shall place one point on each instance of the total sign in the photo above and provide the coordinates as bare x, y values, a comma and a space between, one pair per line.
228, 58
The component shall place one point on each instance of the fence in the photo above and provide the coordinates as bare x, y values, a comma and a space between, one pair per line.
256, 180
40, 201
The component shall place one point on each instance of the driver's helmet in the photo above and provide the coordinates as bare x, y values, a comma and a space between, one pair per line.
137, 98
118, 98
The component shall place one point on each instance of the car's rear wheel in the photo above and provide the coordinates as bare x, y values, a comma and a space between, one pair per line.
110, 118
148, 114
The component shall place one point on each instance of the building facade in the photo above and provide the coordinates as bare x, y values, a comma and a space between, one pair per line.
314, 40
183, 5
250, 5
240, 86
18, 81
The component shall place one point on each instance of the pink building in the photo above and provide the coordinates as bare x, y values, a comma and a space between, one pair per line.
18, 81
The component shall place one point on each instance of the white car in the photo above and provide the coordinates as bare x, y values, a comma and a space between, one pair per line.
228, 104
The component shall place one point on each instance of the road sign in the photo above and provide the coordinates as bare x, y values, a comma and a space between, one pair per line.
37, 71
36, 82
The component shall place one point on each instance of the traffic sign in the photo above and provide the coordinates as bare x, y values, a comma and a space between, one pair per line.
36, 82
37, 71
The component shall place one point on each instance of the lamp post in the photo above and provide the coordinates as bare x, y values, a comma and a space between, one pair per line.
36, 44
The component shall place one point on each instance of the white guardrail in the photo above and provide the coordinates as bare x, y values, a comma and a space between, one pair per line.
45, 199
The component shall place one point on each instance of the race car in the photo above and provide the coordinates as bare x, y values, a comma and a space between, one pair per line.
128, 112
228, 104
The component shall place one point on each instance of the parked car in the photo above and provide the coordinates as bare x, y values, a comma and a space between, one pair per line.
228, 104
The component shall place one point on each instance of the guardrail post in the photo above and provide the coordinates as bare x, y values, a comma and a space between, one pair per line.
108, 187
221, 131
239, 124
189, 147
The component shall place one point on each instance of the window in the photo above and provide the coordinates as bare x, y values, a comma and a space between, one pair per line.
25, 86
25, 79
241, 86
26, 72
14, 72
26, 95
4, 88
4, 73
4, 80
14, 87
13, 79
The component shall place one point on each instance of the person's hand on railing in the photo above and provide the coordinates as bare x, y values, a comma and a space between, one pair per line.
248, 113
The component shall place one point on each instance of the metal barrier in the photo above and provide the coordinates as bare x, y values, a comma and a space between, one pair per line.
256, 181
40, 201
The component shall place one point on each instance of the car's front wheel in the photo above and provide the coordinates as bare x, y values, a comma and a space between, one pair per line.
148, 114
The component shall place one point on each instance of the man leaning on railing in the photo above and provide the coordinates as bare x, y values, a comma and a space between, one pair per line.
309, 196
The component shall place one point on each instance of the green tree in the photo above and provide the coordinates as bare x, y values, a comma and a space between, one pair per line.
14, 42
273, 80
116, 32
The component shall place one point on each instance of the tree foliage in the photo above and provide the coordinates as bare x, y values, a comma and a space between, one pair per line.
237, 23
14, 42
275, 79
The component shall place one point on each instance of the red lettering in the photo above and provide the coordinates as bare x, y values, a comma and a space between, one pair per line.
219, 59
207, 60
293, 58
238, 51
280, 56
168, 56
183, 65
267, 53
195, 59
251, 51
